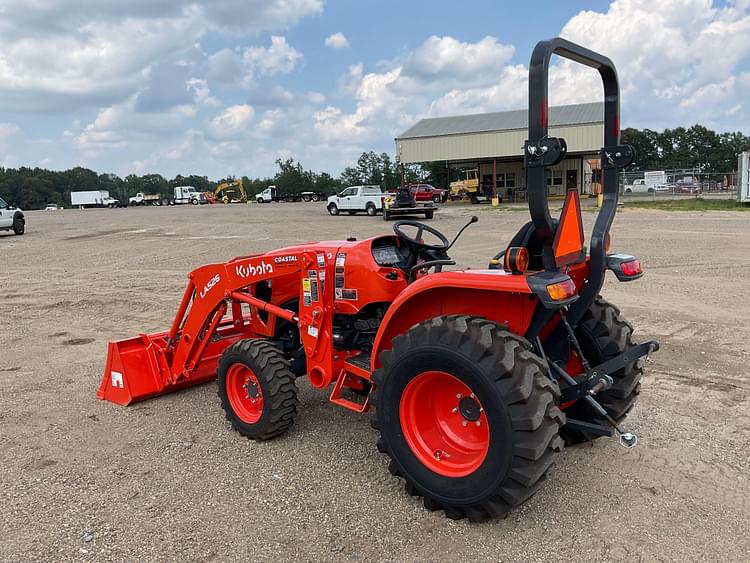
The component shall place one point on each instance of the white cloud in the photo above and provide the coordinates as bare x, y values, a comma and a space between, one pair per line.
232, 122
337, 41
66, 54
201, 92
279, 58
689, 48
143, 85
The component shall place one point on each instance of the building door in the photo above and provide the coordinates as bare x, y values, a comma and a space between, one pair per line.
571, 179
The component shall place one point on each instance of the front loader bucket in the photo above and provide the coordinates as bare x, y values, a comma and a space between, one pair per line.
137, 369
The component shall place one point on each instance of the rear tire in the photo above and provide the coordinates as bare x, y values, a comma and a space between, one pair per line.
604, 333
492, 377
257, 389
371, 209
316, 197
429, 214
333, 209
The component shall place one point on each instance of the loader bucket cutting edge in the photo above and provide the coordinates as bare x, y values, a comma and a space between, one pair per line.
137, 369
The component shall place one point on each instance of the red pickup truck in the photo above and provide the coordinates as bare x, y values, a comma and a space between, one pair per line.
427, 192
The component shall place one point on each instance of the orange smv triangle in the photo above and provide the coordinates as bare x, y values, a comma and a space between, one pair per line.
568, 244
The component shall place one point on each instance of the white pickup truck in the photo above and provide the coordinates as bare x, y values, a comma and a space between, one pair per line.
11, 218
357, 198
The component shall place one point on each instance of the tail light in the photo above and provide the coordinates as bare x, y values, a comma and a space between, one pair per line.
561, 290
632, 268
625, 266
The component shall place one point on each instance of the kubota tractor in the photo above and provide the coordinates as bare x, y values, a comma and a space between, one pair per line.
477, 377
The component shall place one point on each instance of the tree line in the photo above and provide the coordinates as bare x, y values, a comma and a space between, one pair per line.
33, 188
696, 147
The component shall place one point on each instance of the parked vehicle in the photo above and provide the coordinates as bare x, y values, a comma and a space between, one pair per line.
187, 194
52, 207
641, 185
477, 377
403, 202
428, 192
686, 186
468, 186
11, 218
93, 198
271, 193
145, 199
357, 198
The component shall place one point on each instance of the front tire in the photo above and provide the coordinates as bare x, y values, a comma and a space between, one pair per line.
467, 416
333, 209
257, 389
603, 334
19, 226
436, 198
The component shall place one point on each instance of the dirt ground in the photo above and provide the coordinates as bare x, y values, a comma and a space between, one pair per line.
167, 479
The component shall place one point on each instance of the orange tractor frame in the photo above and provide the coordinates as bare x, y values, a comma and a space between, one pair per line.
478, 377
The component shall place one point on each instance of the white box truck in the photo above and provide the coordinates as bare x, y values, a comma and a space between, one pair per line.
93, 198
743, 178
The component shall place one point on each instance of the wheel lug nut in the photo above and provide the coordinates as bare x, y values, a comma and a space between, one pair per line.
466, 423
472, 395
454, 409
478, 423
458, 395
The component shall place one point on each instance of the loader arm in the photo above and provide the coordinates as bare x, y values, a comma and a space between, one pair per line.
218, 308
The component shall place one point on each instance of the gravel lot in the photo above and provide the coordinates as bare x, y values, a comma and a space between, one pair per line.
168, 479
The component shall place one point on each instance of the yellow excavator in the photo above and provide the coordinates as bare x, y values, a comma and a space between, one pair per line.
231, 191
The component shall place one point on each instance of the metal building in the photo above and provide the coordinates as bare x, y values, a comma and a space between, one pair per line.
492, 143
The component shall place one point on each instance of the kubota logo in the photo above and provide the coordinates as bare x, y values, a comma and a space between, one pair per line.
212, 282
249, 271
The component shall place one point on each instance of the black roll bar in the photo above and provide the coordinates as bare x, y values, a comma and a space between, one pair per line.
541, 152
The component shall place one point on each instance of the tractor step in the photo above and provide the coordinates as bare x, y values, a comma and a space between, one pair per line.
361, 361
356, 369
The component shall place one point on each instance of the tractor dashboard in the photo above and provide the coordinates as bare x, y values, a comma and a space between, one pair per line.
386, 252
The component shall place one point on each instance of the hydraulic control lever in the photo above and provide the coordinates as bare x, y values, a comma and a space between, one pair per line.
474, 219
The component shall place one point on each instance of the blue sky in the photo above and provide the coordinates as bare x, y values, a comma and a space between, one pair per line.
220, 87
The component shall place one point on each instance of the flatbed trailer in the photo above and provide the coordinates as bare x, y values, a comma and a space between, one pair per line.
403, 203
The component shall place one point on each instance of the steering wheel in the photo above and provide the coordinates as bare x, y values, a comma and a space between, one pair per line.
415, 243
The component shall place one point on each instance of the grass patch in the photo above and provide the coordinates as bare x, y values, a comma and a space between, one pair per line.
690, 204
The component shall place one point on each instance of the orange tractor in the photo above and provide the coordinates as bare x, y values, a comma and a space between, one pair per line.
477, 377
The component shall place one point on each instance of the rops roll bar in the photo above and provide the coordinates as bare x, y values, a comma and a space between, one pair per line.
541, 151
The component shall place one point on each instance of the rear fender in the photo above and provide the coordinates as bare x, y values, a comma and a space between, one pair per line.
491, 294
